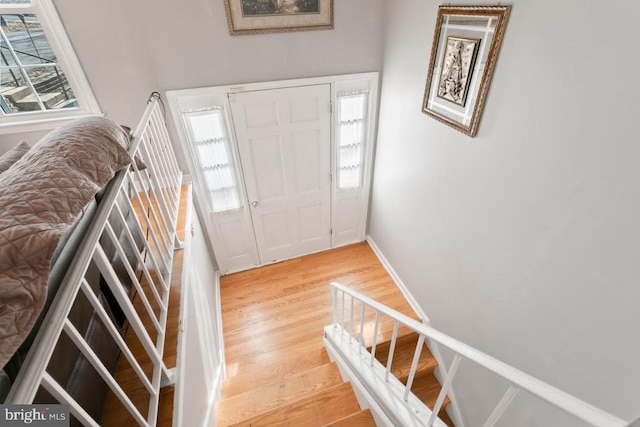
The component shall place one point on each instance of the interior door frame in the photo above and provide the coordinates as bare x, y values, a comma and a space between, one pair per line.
182, 100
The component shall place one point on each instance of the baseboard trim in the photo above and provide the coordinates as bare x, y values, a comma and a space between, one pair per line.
220, 332
398, 281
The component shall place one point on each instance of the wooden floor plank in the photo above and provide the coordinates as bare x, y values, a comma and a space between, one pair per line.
263, 399
319, 409
359, 419
268, 373
273, 319
272, 312
403, 357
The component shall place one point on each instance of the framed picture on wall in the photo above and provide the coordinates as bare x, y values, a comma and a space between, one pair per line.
270, 16
457, 69
465, 48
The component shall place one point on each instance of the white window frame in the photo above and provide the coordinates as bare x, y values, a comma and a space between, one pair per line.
67, 61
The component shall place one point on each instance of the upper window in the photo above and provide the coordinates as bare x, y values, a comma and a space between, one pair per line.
39, 79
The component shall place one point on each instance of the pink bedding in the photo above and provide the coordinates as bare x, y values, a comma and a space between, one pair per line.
41, 195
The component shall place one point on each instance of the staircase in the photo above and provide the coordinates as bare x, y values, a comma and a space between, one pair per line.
304, 390
425, 385
308, 390
280, 373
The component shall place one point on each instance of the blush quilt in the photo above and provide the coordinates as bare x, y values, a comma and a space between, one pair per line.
41, 195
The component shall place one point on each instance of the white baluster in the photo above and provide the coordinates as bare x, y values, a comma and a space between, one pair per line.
351, 317
392, 348
334, 302
414, 366
445, 389
375, 337
502, 406
360, 336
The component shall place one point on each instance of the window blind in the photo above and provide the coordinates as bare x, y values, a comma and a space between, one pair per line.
212, 153
352, 117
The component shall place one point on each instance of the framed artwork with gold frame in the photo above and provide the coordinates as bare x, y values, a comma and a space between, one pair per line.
271, 16
465, 49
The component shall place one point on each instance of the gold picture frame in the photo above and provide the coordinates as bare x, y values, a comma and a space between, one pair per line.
273, 16
465, 49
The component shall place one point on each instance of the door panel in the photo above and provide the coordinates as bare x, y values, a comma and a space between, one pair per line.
306, 151
267, 164
232, 227
310, 223
260, 115
284, 143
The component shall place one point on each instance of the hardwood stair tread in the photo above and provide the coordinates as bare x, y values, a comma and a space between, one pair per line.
322, 408
278, 394
425, 385
445, 417
271, 372
403, 356
385, 331
359, 419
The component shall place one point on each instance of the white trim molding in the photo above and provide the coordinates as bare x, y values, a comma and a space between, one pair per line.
398, 281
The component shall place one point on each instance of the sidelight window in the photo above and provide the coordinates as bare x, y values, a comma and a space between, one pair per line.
351, 135
211, 149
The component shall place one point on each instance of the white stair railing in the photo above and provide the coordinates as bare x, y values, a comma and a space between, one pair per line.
346, 338
141, 203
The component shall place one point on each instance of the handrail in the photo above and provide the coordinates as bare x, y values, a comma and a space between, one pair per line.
148, 228
562, 400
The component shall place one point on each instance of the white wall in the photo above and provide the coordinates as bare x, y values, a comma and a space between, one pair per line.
200, 369
8, 141
523, 241
109, 41
128, 49
190, 46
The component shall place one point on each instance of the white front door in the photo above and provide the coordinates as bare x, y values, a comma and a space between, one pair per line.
284, 141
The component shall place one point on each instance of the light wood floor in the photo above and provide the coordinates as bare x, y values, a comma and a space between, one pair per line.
273, 319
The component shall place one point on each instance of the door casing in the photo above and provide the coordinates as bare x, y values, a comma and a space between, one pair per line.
354, 201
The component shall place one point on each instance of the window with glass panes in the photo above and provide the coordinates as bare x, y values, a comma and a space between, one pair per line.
33, 79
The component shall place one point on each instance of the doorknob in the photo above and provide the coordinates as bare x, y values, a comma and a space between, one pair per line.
255, 203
